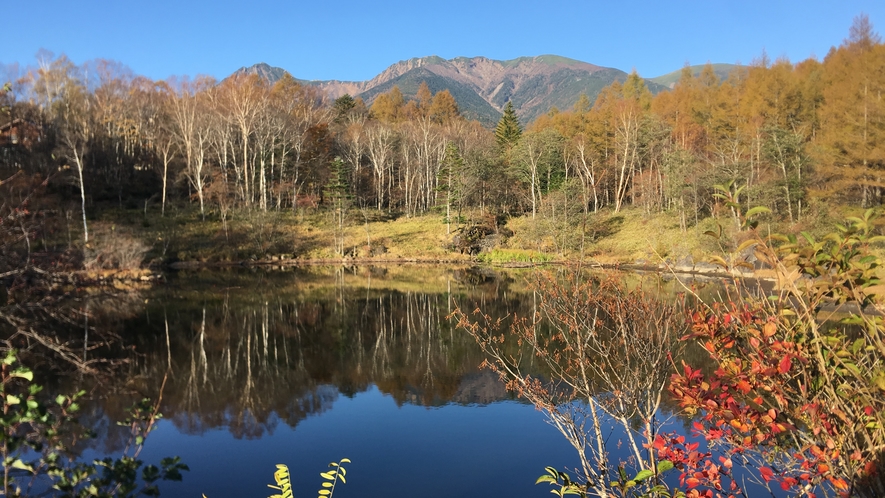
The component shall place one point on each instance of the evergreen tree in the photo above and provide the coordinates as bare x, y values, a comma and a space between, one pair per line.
337, 192
508, 130
450, 181
343, 105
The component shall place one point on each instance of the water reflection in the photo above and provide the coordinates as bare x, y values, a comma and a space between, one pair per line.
247, 351
254, 354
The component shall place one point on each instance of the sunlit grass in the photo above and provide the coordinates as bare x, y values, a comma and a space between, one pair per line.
420, 238
504, 256
368, 236
651, 238
183, 235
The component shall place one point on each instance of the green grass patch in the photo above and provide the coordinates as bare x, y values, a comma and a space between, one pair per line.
503, 256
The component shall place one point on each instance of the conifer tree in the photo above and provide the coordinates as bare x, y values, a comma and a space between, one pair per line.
449, 181
508, 130
337, 192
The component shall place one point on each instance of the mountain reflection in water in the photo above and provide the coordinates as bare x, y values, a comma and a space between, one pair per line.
308, 366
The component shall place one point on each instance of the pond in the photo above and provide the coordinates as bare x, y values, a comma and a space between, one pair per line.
306, 366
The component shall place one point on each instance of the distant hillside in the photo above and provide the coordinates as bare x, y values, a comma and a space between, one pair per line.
482, 86
722, 71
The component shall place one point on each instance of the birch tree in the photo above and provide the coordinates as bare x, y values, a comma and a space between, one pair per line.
62, 94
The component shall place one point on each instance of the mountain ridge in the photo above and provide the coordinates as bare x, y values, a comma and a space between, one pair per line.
481, 86
722, 71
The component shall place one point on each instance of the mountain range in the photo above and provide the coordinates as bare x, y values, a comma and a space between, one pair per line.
482, 86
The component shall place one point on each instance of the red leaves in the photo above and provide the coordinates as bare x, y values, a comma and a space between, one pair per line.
785, 365
839, 484
763, 389
766, 473
700, 475
789, 483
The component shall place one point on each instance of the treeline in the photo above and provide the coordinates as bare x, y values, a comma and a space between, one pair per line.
796, 138
793, 138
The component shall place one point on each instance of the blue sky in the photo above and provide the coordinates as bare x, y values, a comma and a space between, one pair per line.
350, 40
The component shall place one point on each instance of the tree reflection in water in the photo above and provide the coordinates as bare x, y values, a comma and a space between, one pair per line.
604, 353
249, 351
268, 350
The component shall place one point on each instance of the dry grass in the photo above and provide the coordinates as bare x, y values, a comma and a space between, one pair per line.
420, 238
255, 236
640, 237
628, 237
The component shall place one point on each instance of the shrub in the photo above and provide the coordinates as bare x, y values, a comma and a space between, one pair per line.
113, 248
35, 436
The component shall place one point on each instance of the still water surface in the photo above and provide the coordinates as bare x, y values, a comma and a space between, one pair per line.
308, 366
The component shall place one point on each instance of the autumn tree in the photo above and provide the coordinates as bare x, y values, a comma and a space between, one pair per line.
484, 182
304, 112
538, 158
152, 101
388, 107
423, 98
443, 108
243, 98
381, 147
624, 107
853, 115
605, 352
189, 113
63, 96
119, 141
351, 136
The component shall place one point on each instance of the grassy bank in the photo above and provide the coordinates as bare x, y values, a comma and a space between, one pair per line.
628, 237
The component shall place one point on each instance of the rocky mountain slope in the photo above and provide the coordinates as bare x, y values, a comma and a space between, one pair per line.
482, 86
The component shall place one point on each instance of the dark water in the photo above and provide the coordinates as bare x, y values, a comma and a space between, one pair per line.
307, 366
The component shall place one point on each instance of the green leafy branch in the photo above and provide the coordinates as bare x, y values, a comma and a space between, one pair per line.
562, 483
625, 486
49, 430
731, 194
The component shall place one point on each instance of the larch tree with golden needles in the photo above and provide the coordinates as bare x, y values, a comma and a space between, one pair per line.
853, 116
